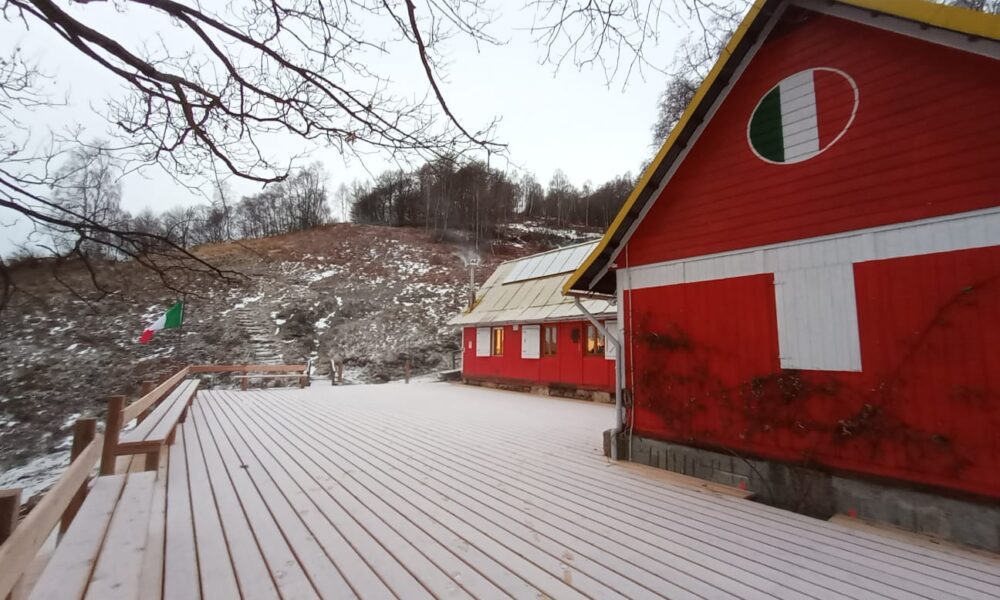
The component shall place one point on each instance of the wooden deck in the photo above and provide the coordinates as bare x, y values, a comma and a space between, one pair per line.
445, 491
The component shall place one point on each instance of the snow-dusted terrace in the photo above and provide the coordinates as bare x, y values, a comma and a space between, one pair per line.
440, 490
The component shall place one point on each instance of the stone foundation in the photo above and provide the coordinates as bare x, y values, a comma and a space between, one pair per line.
559, 391
821, 494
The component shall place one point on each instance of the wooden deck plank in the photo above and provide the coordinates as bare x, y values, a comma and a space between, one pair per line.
547, 463
118, 570
68, 571
181, 575
452, 553
306, 501
470, 502
549, 494
314, 558
423, 491
229, 559
548, 572
818, 533
280, 560
151, 574
594, 536
389, 554
874, 575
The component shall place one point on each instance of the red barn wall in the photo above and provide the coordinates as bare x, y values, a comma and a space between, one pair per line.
570, 366
923, 144
702, 358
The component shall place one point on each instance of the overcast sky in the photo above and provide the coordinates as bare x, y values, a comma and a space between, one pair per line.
570, 120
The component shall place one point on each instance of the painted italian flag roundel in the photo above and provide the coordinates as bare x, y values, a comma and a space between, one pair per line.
803, 115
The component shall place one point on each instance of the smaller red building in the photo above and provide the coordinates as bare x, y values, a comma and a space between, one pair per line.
522, 332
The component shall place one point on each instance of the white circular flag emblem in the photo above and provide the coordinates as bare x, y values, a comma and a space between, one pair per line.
803, 115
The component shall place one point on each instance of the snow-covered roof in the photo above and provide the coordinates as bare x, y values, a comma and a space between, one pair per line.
529, 290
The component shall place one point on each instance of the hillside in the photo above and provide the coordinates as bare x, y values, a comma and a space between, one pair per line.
367, 294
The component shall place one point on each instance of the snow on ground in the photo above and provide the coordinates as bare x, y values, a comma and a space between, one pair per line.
36, 475
372, 297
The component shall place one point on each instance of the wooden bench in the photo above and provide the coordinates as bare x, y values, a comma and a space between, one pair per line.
101, 554
157, 428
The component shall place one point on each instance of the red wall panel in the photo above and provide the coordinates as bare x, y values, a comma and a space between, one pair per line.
568, 367
703, 366
923, 144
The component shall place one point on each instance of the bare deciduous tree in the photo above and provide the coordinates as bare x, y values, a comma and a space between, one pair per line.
205, 98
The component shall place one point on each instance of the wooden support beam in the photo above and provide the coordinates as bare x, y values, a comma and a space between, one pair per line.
112, 429
10, 507
84, 431
153, 460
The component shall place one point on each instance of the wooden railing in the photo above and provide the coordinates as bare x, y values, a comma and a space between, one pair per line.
298, 372
119, 415
21, 542
248, 368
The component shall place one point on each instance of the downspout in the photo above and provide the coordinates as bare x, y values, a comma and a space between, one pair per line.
619, 411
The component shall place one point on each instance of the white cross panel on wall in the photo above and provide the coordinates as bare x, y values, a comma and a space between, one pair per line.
814, 294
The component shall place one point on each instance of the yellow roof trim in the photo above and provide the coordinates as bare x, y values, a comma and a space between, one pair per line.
942, 16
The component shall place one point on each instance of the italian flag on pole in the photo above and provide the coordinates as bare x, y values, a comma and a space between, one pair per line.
171, 319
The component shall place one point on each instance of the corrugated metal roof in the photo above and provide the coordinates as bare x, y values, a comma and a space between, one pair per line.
529, 290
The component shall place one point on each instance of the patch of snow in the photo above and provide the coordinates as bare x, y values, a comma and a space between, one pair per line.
315, 276
35, 476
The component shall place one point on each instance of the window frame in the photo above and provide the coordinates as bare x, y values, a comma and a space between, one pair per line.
600, 342
549, 350
497, 349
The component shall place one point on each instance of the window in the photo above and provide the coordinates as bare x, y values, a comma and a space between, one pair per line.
549, 341
529, 341
595, 342
497, 347
483, 341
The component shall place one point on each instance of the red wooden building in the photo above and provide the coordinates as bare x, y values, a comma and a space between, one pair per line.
809, 272
522, 332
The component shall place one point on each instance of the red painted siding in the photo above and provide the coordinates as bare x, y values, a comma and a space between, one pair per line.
703, 366
702, 358
568, 367
923, 144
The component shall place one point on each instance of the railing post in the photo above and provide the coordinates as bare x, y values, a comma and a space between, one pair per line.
112, 428
84, 431
145, 388
10, 507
